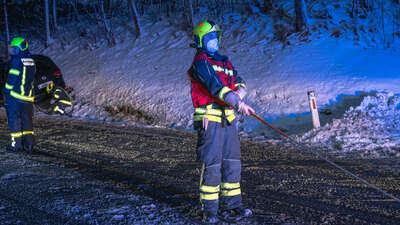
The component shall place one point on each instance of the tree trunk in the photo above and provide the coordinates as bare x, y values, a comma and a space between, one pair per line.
171, 8
46, 9
135, 16
55, 14
268, 5
360, 8
301, 16
109, 7
190, 12
107, 24
7, 33
75, 9
381, 2
354, 8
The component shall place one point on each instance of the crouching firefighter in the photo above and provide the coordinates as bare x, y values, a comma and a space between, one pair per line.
18, 96
60, 101
217, 91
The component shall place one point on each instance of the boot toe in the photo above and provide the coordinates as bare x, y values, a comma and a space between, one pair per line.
236, 214
210, 219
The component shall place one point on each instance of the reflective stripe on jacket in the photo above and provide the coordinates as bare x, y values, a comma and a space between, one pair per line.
213, 114
220, 81
20, 77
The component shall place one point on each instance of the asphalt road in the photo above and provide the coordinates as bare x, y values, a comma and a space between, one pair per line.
281, 184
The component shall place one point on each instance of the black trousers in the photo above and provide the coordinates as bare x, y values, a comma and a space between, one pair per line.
218, 149
19, 116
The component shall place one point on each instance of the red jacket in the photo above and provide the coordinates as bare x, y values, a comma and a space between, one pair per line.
206, 92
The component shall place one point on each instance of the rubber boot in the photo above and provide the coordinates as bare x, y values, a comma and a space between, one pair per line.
236, 214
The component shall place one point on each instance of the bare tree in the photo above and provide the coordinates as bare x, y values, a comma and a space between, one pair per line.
268, 5
109, 7
7, 30
382, 19
360, 8
107, 24
47, 20
190, 12
55, 14
171, 8
135, 16
74, 5
301, 16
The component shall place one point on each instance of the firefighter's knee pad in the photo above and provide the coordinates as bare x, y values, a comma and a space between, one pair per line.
231, 169
212, 174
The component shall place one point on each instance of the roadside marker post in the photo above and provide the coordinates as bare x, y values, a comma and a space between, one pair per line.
313, 108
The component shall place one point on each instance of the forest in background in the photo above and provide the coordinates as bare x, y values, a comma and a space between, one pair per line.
47, 20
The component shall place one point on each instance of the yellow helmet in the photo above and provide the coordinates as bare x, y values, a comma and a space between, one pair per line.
204, 28
19, 42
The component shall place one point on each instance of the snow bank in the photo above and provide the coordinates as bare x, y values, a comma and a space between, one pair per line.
144, 80
371, 130
147, 76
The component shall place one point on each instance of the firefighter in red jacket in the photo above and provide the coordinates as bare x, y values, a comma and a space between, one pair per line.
217, 91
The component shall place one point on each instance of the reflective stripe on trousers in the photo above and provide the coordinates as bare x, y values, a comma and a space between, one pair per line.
19, 117
213, 114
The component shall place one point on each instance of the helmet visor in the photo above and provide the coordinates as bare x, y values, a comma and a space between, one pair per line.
214, 28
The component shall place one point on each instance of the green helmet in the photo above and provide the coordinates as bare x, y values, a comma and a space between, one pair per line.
19, 42
204, 28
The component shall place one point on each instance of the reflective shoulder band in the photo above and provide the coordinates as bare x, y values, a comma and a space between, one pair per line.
14, 72
9, 87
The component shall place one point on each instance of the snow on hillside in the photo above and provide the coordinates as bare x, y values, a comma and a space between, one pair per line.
370, 130
144, 80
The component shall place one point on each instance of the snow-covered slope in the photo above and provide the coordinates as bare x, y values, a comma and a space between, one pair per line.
144, 80
371, 129
149, 74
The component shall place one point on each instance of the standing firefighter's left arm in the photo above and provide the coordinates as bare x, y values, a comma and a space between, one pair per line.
13, 75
